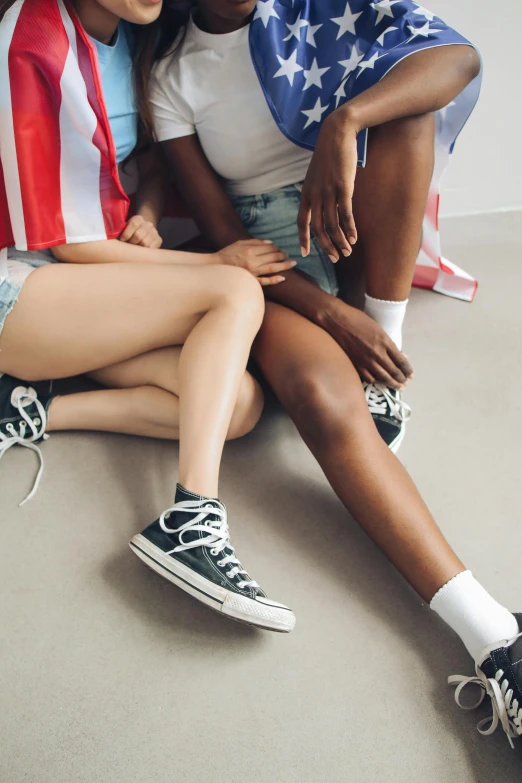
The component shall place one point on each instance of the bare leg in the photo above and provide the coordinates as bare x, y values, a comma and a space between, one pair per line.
142, 399
322, 392
76, 319
390, 201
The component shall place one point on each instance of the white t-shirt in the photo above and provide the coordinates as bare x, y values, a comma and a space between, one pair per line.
210, 87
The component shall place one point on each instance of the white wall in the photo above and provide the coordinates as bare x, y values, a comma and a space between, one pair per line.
486, 170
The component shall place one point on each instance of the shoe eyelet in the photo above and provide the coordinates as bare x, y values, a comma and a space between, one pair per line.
214, 552
219, 563
37, 422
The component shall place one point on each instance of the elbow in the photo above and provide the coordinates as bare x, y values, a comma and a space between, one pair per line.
61, 252
470, 63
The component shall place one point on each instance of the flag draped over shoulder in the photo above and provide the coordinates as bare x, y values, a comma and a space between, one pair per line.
312, 56
59, 178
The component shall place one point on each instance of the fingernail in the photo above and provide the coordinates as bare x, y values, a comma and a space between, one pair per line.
352, 240
268, 241
333, 259
294, 263
304, 252
347, 253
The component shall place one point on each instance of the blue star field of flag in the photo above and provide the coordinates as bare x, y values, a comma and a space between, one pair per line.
312, 56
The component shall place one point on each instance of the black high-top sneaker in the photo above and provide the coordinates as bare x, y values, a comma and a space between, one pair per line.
499, 676
23, 418
190, 546
389, 412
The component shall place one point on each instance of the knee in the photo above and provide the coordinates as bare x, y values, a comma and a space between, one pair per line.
325, 407
240, 292
248, 409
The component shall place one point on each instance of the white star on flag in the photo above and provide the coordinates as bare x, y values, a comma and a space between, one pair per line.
340, 92
310, 34
289, 67
425, 31
264, 10
383, 8
314, 75
380, 39
295, 29
424, 12
347, 21
352, 63
315, 114
368, 63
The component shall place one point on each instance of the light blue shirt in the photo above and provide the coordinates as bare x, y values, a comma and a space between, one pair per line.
118, 89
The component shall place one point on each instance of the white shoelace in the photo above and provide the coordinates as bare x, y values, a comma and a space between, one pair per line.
379, 398
217, 539
506, 709
30, 430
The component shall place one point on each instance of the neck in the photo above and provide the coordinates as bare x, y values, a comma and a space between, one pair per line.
210, 22
97, 21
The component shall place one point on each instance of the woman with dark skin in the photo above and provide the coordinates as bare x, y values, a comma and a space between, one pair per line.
313, 348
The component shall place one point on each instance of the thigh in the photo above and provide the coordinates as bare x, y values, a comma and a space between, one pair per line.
72, 319
156, 368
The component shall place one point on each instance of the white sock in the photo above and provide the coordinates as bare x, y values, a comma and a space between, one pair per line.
473, 614
389, 315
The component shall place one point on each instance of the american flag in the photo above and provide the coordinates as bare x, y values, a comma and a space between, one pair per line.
58, 174
59, 179
312, 56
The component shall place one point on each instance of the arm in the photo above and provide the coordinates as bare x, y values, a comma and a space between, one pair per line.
142, 228
152, 186
372, 352
421, 83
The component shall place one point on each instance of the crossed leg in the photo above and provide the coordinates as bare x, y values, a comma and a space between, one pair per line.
74, 319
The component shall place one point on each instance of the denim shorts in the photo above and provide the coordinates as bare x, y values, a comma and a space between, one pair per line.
274, 216
20, 264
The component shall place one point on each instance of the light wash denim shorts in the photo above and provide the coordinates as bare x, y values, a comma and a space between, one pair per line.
20, 264
274, 216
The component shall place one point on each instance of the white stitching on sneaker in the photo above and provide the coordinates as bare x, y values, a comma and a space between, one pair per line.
217, 539
21, 398
506, 710
379, 399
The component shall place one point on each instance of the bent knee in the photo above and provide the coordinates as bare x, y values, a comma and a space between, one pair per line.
324, 406
248, 409
240, 290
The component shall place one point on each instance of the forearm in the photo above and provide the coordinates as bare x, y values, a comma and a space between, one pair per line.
423, 82
152, 187
112, 251
150, 199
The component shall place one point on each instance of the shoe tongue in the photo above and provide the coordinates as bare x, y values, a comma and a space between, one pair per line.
183, 495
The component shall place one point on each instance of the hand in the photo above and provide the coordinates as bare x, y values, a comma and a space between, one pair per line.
141, 232
374, 355
326, 201
263, 259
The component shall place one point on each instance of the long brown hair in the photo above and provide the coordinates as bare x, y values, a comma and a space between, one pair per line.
153, 43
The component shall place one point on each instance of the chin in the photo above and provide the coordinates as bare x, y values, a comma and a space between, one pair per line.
238, 9
144, 13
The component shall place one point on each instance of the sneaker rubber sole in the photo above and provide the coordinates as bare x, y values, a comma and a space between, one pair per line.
238, 607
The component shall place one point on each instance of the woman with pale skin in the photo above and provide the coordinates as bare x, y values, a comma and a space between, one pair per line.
167, 334
119, 310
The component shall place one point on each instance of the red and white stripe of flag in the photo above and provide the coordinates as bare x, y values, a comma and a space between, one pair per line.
58, 174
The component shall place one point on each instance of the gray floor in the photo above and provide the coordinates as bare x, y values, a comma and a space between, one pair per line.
108, 673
